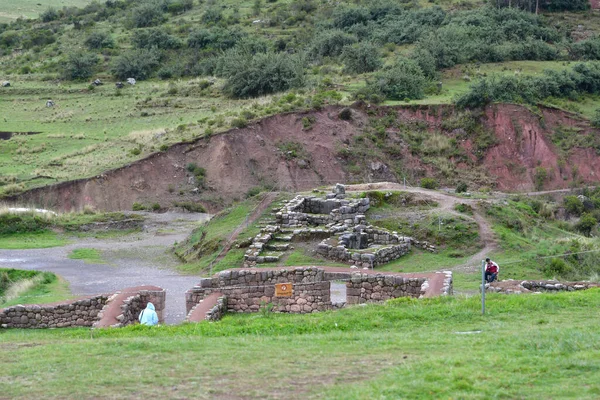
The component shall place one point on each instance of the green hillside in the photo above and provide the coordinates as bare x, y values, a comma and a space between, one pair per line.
203, 67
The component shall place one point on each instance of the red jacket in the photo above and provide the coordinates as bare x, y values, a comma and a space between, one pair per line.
492, 268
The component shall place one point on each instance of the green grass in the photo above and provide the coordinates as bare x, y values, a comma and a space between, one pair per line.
90, 256
57, 290
35, 240
534, 345
301, 257
13, 9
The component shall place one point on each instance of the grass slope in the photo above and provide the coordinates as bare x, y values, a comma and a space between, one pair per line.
13, 9
526, 347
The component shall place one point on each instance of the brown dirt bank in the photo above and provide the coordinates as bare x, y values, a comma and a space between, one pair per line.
240, 159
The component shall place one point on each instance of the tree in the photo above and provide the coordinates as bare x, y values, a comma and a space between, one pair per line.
79, 65
404, 80
138, 64
99, 40
146, 14
586, 223
49, 15
265, 73
362, 57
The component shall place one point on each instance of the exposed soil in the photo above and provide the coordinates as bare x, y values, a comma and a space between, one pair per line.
240, 159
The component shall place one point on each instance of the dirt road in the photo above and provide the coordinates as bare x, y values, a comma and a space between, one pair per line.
134, 260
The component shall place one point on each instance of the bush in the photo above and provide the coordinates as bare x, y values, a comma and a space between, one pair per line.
49, 15
146, 14
265, 74
138, 207
22, 223
212, 16
99, 40
253, 191
239, 122
79, 65
155, 37
404, 80
213, 38
330, 43
138, 64
586, 223
429, 183
362, 57
461, 187
190, 206
573, 205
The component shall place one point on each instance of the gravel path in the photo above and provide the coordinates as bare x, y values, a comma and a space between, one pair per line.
134, 260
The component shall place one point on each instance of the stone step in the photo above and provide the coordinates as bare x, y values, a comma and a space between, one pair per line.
283, 238
277, 247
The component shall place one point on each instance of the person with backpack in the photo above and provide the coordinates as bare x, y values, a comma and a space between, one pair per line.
148, 316
491, 270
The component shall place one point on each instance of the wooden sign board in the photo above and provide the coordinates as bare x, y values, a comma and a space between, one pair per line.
283, 290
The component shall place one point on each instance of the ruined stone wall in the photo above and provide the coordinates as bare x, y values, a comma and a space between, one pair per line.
133, 306
78, 313
364, 259
302, 211
364, 288
552, 286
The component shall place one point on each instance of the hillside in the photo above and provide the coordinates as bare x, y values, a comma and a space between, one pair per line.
507, 147
297, 56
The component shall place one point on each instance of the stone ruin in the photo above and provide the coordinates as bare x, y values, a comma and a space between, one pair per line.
518, 287
341, 225
247, 290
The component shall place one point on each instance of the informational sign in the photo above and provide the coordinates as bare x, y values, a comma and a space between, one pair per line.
283, 290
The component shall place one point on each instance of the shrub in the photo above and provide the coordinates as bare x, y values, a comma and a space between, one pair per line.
461, 187
404, 80
330, 43
79, 65
362, 57
344, 17
586, 223
253, 191
573, 205
212, 16
49, 15
156, 207
346, 114
213, 38
138, 64
190, 206
22, 223
595, 121
239, 122
429, 183
138, 207
265, 74
155, 37
99, 40
146, 14
198, 172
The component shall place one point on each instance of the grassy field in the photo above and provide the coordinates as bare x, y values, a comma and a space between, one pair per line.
524, 347
10, 10
35, 240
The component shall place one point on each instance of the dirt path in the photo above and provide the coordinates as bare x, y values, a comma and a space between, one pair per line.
447, 203
256, 213
135, 260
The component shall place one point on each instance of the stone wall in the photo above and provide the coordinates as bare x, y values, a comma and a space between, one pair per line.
247, 290
217, 312
312, 210
78, 313
517, 287
133, 306
364, 288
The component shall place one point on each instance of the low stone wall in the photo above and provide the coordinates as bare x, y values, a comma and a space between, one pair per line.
367, 260
132, 306
217, 312
364, 288
78, 313
517, 287
306, 297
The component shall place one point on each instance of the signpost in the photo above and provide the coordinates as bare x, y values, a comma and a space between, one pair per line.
283, 289
482, 287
